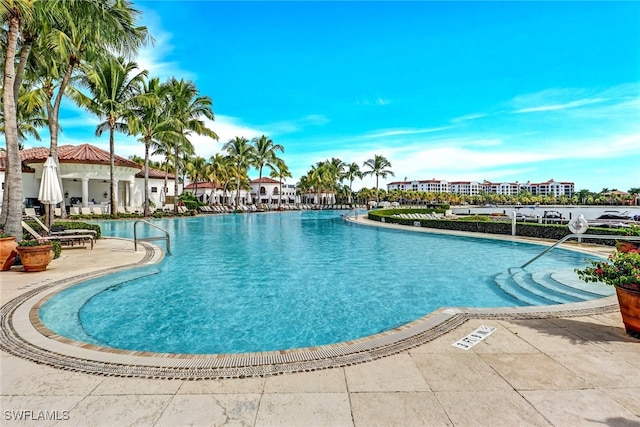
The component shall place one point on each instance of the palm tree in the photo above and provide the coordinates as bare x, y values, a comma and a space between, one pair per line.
83, 30
150, 120
219, 171
185, 108
265, 155
115, 91
378, 167
352, 172
280, 171
14, 13
242, 155
196, 170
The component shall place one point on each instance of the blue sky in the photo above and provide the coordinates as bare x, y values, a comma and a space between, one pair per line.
504, 91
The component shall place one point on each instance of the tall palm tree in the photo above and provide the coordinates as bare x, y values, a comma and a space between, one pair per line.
186, 107
242, 156
352, 172
196, 170
150, 119
15, 13
265, 155
115, 89
378, 167
280, 171
163, 147
81, 31
321, 178
219, 172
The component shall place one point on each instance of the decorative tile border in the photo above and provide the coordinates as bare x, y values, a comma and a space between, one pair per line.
23, 335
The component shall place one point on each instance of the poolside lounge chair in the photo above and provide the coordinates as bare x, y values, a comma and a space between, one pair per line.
71, 238
70, 232
86, 211
74, 210
30, 211
57, 212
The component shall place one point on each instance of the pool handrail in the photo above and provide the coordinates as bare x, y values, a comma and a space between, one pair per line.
581, 236
148, 239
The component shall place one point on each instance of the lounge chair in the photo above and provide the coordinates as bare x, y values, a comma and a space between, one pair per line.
57, 212
86, 211
97, 210
71, 238
30, 211
74, 210
70, 232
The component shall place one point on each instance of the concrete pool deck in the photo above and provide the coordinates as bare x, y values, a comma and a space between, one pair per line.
570, 367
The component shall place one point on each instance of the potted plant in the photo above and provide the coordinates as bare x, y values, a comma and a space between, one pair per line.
7, 251
622, 270
35, 255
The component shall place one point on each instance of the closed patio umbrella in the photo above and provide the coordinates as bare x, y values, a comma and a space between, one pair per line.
50, 191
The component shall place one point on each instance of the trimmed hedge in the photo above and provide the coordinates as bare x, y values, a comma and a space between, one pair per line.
535, 230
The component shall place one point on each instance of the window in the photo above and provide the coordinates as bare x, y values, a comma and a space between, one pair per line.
154, 189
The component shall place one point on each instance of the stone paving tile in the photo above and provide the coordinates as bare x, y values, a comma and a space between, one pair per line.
627, 397
109, 411
21, 377
552, 338
116, 385
304, 409
393, 373
322, 381
581, 408
491, 408
210, 410
631, 357
26, 411
398, 409
458, 372
533, 371
599, 372
232, 385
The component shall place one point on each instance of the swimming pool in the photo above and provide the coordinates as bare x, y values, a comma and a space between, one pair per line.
262, 282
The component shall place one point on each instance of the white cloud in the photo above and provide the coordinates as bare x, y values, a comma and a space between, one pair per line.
564, 106
399, 132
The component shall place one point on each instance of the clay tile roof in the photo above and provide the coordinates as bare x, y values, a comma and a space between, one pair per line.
3, 164
85, 153
154, 173
202, 185
90, 154
265, 180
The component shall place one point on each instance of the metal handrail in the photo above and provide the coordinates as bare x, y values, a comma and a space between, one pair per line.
148, 239
581, 236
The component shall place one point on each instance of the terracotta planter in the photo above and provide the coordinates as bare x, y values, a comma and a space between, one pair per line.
8, 252
629, 301
35, 258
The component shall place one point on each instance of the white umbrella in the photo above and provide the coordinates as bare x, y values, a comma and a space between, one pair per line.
50, 191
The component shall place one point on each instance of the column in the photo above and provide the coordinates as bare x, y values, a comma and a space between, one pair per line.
85, 192
116, 190
131, 193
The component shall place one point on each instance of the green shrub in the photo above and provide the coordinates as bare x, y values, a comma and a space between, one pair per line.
485, 224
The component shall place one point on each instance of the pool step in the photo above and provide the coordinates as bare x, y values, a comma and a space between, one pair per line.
547, 288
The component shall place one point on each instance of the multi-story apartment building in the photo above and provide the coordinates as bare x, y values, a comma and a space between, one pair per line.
472, 188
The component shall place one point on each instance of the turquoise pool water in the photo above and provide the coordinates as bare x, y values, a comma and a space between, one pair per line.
261, 282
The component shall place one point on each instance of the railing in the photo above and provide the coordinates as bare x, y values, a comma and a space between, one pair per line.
581, 236
149, 239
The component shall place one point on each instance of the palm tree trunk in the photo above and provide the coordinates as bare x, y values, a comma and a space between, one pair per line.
175, 181
147, 142
112, 169
377, 199
13, 174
